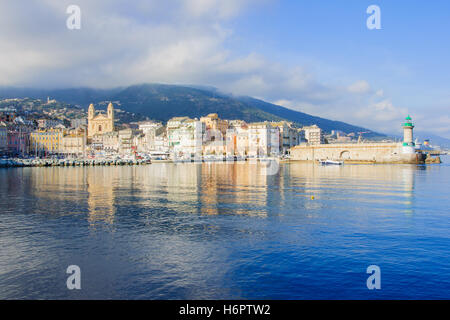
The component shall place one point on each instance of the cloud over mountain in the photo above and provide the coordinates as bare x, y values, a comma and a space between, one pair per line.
178, 41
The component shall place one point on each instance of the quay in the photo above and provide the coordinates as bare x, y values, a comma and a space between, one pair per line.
17, 162
372, 152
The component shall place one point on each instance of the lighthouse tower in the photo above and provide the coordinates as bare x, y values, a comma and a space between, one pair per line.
408, 142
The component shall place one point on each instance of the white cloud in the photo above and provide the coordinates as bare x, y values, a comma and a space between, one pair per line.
216, 8
380, 93
361, 86
119, 43
177, 41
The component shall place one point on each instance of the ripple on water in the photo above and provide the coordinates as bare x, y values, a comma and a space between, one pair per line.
220, 231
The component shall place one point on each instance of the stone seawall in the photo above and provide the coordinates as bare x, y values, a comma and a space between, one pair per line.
356, 153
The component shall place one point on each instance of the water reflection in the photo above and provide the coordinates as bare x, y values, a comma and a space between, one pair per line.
223, 230
220, 188
367, 183
101, 196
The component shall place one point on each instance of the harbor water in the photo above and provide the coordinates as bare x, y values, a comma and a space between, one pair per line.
225, 231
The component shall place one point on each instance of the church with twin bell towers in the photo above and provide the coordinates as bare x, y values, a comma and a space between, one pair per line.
100, 123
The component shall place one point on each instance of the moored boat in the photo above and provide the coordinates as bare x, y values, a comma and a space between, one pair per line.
330, 162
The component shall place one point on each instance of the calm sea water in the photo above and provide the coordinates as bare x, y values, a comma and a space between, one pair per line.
225, 231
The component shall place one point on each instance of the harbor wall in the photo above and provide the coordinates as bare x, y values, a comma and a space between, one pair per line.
358, 153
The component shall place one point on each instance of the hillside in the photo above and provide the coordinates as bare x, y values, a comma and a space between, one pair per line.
161, 102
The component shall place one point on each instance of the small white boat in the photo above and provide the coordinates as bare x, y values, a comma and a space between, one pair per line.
209, 158
330, 162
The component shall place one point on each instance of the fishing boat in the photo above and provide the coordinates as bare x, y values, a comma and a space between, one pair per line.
330, 162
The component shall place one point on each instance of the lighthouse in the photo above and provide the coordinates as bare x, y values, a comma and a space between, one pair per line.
408, 142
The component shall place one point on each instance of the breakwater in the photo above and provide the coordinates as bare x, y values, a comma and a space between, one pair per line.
357, 153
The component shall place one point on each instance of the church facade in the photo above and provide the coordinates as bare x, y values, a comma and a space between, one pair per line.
100, 123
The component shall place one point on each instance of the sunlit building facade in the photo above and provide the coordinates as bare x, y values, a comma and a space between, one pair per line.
45, 142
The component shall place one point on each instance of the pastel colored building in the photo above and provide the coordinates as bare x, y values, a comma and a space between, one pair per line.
152, 132
289, 136
18, 140
3, 138
264, 140
74, 143
185, 136
213, 122
313, 134
45, 142
237, 138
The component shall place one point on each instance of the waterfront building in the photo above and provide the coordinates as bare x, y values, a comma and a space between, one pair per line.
214, 147
107, 142
96, 143
74, 142
18, 137
214, 123
237, 138
126, 141
289, 135
185, 136
151, 130
161, 144
100, 123
263, 139
215, 133
313, 134
139, 142
154, 128
301, 136
3, 138
44, 142
173, 130
110, 141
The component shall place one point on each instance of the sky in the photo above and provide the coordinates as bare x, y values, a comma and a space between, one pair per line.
317, 57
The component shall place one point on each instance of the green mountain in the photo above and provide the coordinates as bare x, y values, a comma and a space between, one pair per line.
162, 102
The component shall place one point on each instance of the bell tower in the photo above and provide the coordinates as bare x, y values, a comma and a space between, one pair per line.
91, 115
91, 112
111, 116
